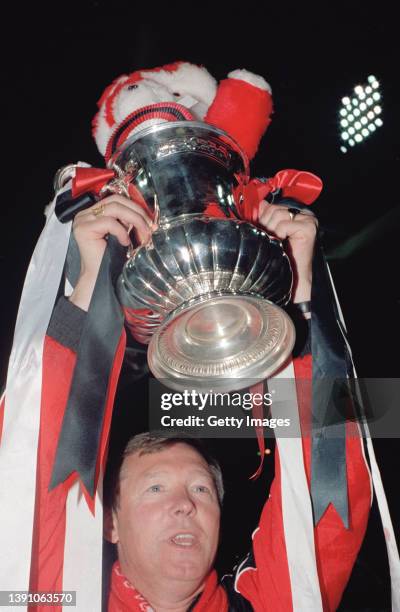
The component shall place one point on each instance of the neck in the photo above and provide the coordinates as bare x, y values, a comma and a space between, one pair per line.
165, 595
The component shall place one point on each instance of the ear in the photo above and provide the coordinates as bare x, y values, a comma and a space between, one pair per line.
110, 526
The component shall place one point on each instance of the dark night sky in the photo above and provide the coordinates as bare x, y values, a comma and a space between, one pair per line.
58, 65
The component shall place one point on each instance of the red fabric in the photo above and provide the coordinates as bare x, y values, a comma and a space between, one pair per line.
90, 179
125, 598
268, 587
49, 522
298, 184
336, 547
243, 111
112, 387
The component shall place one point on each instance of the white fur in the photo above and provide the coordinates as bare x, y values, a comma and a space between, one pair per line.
146, 92
251, 78
188, 79
103, 131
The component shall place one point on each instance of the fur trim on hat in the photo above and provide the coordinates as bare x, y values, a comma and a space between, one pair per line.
252, 79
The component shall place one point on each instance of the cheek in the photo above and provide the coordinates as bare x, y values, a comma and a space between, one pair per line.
138, 522
211, 521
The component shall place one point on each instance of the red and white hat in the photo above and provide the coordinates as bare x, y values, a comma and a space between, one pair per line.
241, 104
170, 93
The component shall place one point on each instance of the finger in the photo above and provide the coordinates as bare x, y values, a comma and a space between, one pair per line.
271, 216
119, 199
114, 206
100, 228
303, 229
128, 217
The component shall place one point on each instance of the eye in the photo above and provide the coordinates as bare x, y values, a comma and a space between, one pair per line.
201, 489
155, 488
176, 94
133, 86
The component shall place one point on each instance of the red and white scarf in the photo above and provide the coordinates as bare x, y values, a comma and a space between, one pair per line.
125, 598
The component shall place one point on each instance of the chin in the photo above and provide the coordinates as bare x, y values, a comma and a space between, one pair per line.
185, 568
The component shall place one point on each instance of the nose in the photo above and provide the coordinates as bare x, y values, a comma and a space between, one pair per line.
183, 504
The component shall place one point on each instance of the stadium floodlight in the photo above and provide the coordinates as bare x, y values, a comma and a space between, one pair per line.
359, 114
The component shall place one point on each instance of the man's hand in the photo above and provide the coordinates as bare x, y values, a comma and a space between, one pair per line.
300, 233
120, 215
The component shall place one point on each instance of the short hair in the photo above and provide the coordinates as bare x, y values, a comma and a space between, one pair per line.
147, 443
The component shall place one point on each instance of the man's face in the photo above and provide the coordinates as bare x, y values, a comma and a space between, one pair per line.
167, 522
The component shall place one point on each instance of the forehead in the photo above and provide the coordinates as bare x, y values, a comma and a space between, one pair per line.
178, 458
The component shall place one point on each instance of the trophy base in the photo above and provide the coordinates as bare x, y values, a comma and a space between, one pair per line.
223, 342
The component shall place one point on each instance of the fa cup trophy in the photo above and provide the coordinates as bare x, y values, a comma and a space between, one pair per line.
206, 291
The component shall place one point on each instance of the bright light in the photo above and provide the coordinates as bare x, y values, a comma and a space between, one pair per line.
357, 116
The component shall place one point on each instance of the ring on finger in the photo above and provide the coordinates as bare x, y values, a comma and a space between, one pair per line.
293, 212
99, 210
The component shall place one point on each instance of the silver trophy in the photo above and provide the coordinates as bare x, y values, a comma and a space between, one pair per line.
206, 291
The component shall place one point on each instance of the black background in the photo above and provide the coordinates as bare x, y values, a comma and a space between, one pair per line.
57, 62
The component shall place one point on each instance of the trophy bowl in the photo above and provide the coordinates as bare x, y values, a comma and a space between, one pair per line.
206, 292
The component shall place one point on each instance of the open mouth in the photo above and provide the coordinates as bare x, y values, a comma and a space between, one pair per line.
187, 540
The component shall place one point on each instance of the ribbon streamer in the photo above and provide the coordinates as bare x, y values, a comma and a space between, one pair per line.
78, 446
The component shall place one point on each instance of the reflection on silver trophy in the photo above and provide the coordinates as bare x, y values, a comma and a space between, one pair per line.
206, 291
